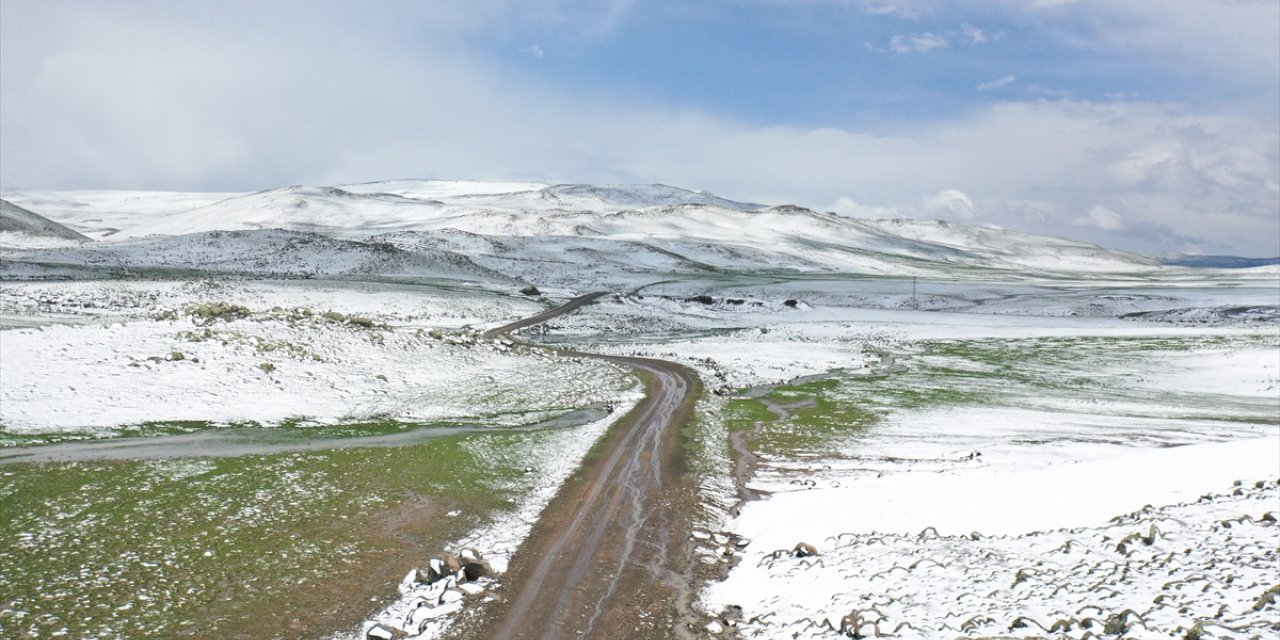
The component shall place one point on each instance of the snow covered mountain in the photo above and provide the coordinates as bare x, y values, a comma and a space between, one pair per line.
25, 227
533, 232
263, 253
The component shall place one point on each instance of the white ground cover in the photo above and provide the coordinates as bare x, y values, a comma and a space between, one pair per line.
983, 553
394, 304
102, 357
1008, 518
763, 341
1057, 465
273, 365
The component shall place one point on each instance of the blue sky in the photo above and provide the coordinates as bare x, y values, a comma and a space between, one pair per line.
1150, 126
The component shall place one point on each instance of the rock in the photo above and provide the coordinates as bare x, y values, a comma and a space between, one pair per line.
476, 570
804, 550
379, 632
452, 563
731, 615
429, 576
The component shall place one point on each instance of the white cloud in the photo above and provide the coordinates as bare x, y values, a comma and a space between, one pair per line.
1002, 81
105, 101
973, 34
1102, 218
890, 9
880, 10
533, 49
846, 206
952, 204
916, 43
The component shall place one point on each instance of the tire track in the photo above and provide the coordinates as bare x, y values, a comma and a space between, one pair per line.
601, 552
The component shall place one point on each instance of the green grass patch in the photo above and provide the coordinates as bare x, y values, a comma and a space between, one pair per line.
743, 413
792, 419
178, 547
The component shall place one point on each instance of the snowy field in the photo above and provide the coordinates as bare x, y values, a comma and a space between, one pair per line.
911, 428
272, 353
997, 466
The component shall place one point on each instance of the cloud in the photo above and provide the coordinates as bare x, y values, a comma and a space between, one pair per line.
104, 99
1100, 217
917, 43
881, 10
973, 34
1002, 81
533, 49
846, 206
890, 9
951, 204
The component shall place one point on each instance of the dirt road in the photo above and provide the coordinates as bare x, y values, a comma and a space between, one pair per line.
568, 307
602, 561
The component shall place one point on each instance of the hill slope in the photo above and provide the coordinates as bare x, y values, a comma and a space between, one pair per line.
17, 220
556, 232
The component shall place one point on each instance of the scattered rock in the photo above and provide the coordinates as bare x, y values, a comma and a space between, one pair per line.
452, 563
804, 550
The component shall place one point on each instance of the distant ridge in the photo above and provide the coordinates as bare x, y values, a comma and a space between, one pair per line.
16, 219
1216, 262
617, 233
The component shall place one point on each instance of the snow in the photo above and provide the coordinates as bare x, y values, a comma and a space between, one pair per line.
124, 370
699, 231
1249, 371
20, 240
994, 502
950, 553
440, 189
1050, 477
99, 214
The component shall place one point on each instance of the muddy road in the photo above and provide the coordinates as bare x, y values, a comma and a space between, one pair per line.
605, 558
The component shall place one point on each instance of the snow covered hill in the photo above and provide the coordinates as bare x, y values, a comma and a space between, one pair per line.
25, 228
101, 214
558, 233
266, 253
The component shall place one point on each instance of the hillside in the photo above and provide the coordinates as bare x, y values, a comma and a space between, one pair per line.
612, 233
27, 226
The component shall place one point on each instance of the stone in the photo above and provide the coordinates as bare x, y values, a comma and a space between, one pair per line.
804, 550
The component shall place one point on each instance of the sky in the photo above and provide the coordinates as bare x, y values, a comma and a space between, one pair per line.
1151, 126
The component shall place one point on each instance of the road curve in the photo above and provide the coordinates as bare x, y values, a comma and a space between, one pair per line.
568, 307
601, 560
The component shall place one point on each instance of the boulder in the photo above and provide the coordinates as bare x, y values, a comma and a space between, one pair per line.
804, 550
452, 563
476, 570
